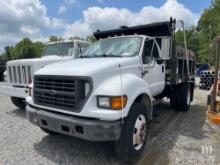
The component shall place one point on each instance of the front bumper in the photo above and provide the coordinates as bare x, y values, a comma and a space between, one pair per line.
88, 129
8, 90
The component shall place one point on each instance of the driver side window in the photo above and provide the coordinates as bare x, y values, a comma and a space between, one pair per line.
147, 52
155, 52
150, 51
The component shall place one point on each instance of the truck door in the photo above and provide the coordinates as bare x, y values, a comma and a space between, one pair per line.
153, 67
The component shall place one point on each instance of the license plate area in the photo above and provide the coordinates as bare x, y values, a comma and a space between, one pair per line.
56, 124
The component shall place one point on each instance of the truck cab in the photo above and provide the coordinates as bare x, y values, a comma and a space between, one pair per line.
20, 72
107, 93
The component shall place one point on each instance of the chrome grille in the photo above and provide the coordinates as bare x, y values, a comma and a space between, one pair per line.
24, 73
10, 74
59, 92
15, 74
20, 75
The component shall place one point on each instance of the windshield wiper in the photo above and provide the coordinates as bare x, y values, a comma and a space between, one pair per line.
84, 56
107, 55
102, 55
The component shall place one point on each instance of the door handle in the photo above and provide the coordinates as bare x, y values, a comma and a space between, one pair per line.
162, 69
144, 72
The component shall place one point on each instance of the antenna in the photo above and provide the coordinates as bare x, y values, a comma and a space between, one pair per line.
72, 31
122, 93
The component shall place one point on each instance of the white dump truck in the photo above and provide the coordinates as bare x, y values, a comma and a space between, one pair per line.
107, 94
20, 72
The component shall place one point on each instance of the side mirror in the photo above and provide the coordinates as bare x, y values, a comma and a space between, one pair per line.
165, 48
160, 61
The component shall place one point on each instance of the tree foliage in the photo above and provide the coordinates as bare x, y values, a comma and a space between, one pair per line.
54, 38
209, 28
75, 38
91, 38
23, 49
201, 39
192, 38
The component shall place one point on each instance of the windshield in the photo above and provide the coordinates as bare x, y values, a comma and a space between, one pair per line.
114, 47
60, 49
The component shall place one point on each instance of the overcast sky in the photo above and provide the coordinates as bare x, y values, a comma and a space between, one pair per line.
38, 19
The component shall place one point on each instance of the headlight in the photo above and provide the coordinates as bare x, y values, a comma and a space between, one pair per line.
112, 102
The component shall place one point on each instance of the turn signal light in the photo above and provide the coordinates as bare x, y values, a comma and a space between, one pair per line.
112, 102
118, 102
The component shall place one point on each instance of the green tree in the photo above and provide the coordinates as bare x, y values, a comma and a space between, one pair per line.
27, 49
54, 38
209, 28
75, 38
24, 49
91, 38
192, 39
8, 53
39, 47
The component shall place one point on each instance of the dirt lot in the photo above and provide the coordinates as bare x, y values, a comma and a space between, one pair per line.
176, 138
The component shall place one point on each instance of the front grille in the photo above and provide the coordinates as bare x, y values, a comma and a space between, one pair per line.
20, 75
61, 92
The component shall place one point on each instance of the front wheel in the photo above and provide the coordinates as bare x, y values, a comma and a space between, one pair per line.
18, 102
134, 133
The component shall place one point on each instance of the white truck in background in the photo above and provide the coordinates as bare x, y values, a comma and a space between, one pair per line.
20, 72
107, 93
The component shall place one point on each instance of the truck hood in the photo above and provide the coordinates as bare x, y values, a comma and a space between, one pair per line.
42, 60
87, 66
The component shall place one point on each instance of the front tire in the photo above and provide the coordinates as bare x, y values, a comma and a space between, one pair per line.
134, 133
18, 102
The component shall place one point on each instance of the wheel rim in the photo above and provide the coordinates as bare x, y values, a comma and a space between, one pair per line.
188, 96
139, 132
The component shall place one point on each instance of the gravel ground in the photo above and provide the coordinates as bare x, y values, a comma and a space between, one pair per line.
185, 139
176, 138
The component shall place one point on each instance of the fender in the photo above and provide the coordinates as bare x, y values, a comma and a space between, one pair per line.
128, 84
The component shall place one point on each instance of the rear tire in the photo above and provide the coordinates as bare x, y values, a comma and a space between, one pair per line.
48, 131
184, 97
173, 98
18, 102
192, 86
134, 133
2, 77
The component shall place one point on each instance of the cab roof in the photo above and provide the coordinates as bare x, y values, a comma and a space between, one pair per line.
158, 29
68, 41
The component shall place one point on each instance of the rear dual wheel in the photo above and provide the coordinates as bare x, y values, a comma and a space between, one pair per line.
180, 97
